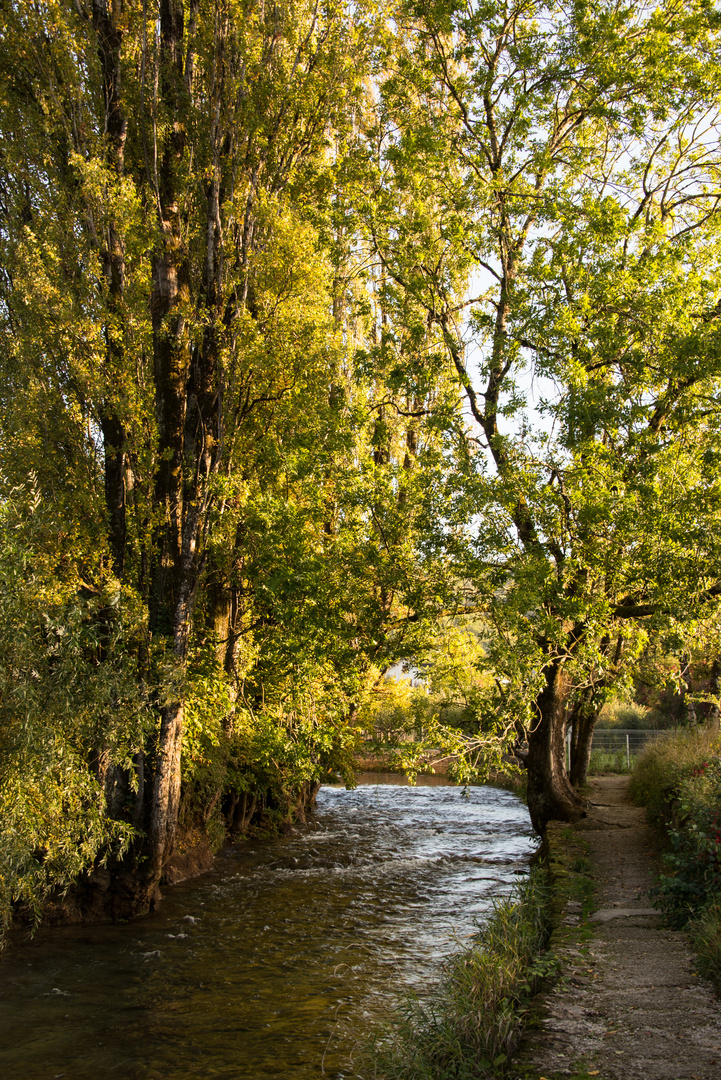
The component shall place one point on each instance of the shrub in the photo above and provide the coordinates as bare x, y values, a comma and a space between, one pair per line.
624, 714
705, 933
664, 764
679, 780
694, 861
71, 713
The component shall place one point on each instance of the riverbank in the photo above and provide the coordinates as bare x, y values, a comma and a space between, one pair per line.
628, 1004
471, 1023
514, 781
623, 1000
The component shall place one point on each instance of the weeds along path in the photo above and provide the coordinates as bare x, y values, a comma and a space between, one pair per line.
629, 1006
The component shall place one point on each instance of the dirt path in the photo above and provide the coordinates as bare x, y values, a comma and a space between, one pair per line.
629, 1006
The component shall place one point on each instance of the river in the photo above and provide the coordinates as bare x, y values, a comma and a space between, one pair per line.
275, 963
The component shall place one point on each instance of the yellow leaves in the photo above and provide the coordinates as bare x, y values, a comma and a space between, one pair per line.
114, 198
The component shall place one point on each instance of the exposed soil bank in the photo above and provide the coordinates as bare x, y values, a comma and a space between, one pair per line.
628, 1005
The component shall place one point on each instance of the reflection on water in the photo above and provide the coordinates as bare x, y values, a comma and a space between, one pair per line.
273, 964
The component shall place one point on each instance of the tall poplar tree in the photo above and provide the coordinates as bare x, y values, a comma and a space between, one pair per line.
215, 487
163, 291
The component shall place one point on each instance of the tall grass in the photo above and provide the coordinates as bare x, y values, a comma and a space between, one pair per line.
664, 764
678, 780
705, 934
471, 1024
608, 761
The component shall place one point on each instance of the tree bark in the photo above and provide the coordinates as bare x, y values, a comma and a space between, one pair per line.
173, 564
583, 719
550, 794
715, 689
166, 790
188, 413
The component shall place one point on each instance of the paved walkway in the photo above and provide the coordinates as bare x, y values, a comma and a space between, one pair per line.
630, 1006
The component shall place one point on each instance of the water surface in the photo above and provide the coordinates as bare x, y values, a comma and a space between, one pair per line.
274, 964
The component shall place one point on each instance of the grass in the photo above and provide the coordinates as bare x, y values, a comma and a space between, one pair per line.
572, 900
677, 780
609, 761
664, 764
705, 935
471, 1024
471, 1027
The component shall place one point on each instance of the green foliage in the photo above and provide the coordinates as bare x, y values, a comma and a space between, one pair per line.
452, 719
71, 712
679, 780
619, 713
565, 265
215, 440
693, 880
280, 750
665, 764
469, 1026
208, 707
394, 710
705, 934
238, 314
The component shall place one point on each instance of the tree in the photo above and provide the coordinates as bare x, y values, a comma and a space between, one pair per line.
159, 275
235, 504
561, 166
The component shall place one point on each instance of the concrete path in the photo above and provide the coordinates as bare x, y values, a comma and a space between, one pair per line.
629, 1006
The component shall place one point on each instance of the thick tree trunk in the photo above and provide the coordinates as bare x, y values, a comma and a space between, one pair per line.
166, 790
188, 409
174, 558
550, 794
581, 754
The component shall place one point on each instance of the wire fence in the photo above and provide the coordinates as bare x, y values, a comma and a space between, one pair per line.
626, 742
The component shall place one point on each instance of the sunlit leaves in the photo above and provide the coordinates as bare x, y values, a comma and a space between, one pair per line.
69, 697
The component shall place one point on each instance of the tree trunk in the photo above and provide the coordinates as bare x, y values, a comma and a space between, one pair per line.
166, 790
187, 405
687, 708
583, 719
715, 689
550, 794
172, 572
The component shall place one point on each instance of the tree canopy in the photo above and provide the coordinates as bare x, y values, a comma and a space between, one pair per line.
324, 329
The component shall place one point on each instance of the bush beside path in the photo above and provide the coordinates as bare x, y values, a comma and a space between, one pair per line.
629, 1005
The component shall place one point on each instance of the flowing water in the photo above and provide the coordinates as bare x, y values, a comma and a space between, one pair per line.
274, 964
